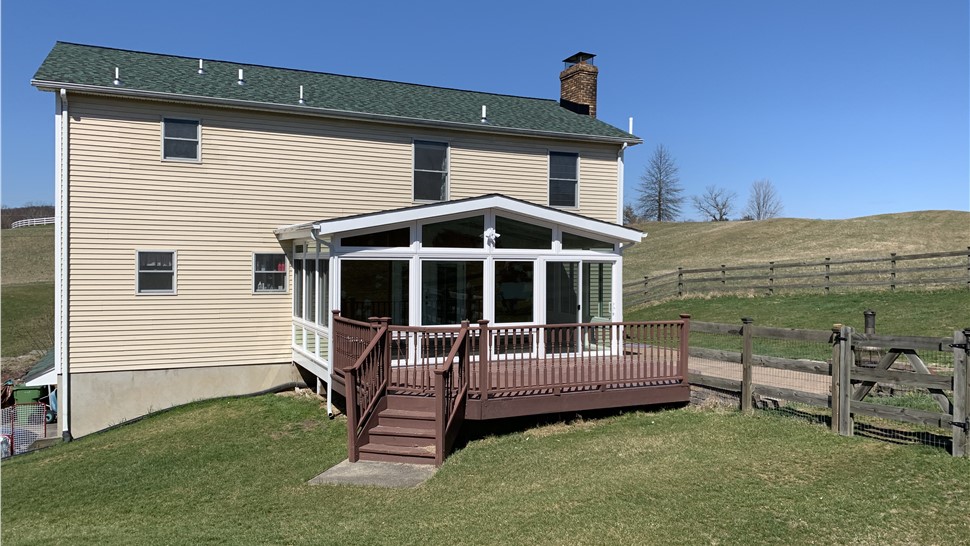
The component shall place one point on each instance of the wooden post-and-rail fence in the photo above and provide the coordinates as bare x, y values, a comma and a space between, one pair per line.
936, 268
842, 381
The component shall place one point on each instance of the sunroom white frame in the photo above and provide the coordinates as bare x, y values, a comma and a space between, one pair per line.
326, 238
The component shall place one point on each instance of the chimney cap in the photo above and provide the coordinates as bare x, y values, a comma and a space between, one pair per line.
579, 58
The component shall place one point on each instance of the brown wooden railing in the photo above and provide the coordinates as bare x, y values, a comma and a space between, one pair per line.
365, 382
451, 392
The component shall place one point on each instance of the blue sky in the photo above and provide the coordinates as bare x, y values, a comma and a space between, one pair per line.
850, 108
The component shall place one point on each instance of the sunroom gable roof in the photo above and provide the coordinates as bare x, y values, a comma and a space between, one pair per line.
592, 226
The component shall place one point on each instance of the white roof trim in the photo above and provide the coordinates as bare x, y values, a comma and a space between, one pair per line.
426, 212
49, 378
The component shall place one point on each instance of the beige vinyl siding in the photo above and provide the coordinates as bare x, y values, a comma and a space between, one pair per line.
258, 171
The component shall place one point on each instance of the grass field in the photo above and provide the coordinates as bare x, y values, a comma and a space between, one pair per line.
234, 471
28, 255
27, 318
671, 245
912, 313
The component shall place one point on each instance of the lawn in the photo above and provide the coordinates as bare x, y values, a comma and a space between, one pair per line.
27, 318
234, 471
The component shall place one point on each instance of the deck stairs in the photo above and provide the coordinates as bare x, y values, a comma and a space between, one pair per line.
402, 431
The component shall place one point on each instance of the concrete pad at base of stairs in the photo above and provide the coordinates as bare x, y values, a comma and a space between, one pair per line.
378, 474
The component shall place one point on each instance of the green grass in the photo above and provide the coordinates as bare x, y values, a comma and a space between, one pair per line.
670, 245
27, 318
913, 313
28, 255
234, 471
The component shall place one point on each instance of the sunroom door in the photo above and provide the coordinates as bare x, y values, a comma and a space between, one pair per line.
562, 306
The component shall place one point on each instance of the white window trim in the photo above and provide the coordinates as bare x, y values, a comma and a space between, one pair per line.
198, 140
447, 144
549, 178
174, 291
286, 275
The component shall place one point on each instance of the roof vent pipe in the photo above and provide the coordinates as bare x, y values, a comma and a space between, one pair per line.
301, 96
117, 80
241, 80
201, 70
484, 114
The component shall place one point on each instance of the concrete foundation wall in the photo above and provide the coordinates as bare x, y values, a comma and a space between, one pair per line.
101, 399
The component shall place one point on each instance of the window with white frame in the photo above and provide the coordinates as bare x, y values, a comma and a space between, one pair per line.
563, 179
156, 271
430, 171
180, 139
269, 273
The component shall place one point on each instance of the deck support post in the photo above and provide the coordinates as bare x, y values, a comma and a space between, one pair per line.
747, 393
483, 343
684, 350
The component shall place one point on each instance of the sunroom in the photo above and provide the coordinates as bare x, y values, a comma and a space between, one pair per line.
490, 258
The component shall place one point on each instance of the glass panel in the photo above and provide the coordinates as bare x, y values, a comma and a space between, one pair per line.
269, 282
597, 292
562, 193
430, 186
516, 234
155, 261
451, 292
390, 238
182, 128
298, 288
374, 288
514, 289
270, 262
182, 149
562, 165
269, 273
155, 282
578, 242
323, 350
562, 292
462, 233
430, 156
323, 274
310, 289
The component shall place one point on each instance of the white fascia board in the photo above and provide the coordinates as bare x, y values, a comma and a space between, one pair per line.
422, 213
49, 378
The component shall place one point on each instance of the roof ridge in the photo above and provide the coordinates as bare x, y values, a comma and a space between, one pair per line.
334, 74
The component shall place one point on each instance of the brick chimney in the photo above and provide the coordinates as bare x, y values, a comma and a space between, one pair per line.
578, 91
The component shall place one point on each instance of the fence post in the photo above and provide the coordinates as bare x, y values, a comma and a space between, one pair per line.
961, 394
483, 342
646, 287
827, 271
846, 359
680, 282
836, 371
746, 350
771, 278
968, 267
723, 275
892, 271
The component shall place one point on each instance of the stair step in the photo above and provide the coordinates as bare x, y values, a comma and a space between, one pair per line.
408, 414
398, 454
386, 430
410, 403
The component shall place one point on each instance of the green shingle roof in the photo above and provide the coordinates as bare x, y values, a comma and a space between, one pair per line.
91, 68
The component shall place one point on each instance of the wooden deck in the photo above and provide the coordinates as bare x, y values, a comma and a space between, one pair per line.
481, 372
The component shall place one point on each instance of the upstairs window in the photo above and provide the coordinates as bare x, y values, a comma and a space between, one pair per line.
563, 179
156, 272
269, 273
180, 139
430, 171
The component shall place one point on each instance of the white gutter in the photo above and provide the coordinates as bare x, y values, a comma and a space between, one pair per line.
619, 182
61, 254
326, 112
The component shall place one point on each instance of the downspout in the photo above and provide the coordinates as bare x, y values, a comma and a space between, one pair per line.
619, 182
314, 235
61, 255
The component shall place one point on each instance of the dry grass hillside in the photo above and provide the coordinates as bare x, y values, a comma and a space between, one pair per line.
710, 244
28, 255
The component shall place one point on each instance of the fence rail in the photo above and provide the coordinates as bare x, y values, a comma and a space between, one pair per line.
934, 268
921, 381
32, 222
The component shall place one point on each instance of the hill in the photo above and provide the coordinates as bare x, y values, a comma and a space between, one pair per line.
671, 245
27, 255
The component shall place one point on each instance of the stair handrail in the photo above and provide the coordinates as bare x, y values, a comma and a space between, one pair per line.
371, 373
451, 390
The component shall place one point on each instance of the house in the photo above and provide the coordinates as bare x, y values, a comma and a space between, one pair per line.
211, 215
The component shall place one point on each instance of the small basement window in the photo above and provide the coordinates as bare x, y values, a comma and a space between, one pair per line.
180, 139
156, 272
269, 273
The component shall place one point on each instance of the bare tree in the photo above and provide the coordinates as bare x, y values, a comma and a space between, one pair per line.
630, 215
715, 203
763, 202
660, 189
